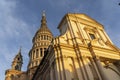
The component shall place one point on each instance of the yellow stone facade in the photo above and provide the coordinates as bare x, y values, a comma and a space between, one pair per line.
82, 51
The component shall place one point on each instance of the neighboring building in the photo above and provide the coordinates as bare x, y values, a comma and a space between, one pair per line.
13, 73
82, 51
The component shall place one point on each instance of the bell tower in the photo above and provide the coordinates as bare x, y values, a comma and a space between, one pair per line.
17, 62
40, 41
16, 66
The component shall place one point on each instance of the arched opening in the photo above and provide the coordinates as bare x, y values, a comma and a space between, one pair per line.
16, 67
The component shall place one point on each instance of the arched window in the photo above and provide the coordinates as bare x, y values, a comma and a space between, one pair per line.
18, 59
16, 67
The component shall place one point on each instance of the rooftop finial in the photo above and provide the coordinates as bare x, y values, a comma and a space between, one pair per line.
43, 13
20, 50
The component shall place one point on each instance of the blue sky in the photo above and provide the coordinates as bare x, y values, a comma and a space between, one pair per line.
20, 19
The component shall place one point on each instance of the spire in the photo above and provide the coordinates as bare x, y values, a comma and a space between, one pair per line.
19, 53
43, 13
43, 26
43, 21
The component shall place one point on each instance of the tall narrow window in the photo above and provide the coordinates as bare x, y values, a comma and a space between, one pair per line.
92, 36
37, 52
44, 50
16, 67
33, 54
44, 37
41, 37
38, 36
47, 37
41, 52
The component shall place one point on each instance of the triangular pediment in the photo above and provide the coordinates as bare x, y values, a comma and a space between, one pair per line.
112, 46
87, 18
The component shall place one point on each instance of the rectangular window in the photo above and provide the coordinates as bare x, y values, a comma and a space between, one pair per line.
92, 36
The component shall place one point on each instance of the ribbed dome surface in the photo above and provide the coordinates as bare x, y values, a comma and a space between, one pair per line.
43, 30
43, 27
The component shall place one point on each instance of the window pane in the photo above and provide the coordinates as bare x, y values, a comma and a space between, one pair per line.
92, 36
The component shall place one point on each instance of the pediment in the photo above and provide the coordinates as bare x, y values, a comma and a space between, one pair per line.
106, 45
112, 46
87, 18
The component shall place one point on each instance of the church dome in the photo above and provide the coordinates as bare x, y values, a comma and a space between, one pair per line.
41, 41
43, 30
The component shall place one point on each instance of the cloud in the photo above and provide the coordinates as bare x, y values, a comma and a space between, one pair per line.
12, 32
110, 20
105, 12
11, 28
15, 31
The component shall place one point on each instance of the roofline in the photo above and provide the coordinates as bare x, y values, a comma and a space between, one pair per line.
74, 14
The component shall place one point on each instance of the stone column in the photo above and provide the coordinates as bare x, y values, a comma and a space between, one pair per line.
117, 64
98, 63
100, 68
94, 71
